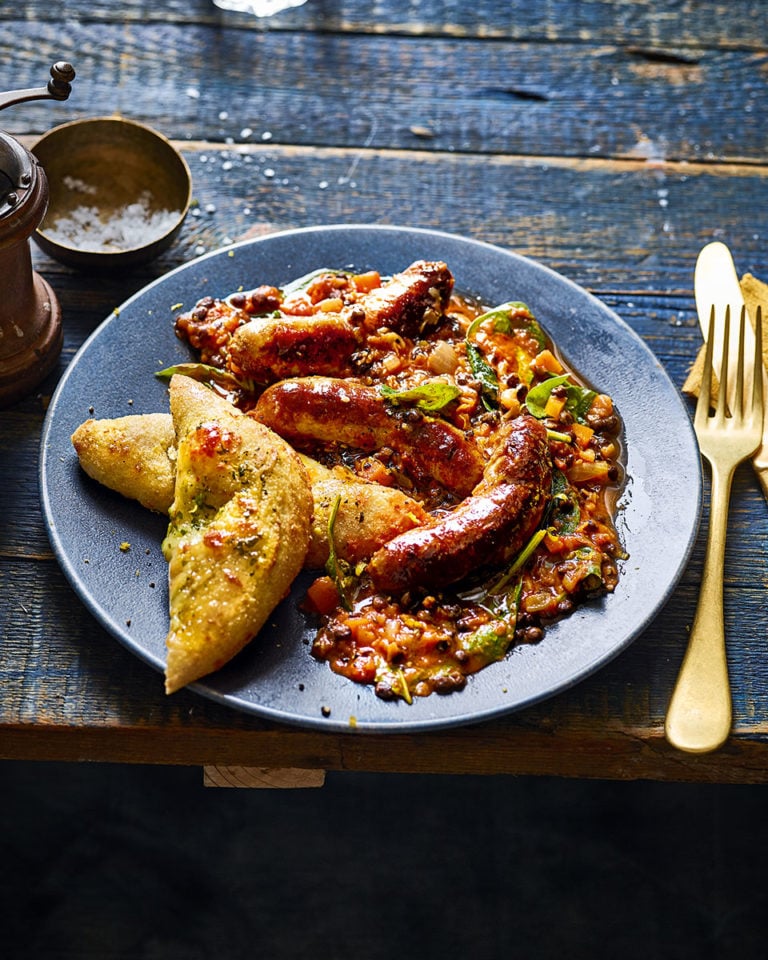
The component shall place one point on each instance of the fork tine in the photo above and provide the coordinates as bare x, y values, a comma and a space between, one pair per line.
738, 410
757, 383
705, 388
722, 397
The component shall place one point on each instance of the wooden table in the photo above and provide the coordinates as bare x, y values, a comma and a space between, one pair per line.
608, 140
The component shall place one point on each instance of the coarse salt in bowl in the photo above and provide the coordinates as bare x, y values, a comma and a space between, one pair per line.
119, 193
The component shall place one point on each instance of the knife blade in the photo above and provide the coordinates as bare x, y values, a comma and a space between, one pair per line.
716, 283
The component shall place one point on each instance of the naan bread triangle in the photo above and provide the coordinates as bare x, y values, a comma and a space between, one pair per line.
238, 533
134, 455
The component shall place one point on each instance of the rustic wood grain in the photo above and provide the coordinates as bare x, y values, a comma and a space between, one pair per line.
619, 228
262, 778
464, 95
585, 750
652, 23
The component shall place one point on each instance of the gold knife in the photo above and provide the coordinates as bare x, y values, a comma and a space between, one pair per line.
716, 283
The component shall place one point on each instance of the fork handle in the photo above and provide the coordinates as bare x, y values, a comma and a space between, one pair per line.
699, 714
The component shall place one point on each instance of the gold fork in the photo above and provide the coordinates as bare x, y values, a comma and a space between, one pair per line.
699, 714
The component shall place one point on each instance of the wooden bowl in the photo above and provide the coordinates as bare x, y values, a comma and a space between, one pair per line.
119, 193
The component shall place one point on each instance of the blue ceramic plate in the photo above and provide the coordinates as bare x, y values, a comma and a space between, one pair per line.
276, 676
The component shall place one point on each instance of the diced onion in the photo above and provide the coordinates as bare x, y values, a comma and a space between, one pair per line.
443, 358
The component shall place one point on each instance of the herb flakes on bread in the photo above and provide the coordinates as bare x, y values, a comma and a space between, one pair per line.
238, 533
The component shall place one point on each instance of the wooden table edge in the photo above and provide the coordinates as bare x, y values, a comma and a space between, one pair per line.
611, 754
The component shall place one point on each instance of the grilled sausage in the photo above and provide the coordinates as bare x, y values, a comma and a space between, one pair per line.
329, 410
276, 348
489, 527
411, 300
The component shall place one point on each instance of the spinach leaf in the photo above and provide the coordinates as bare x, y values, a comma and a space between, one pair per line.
204, 373
490, 641
301, 283
431, 396
578, 402
503, 317
534, 329
485, 376
563, 512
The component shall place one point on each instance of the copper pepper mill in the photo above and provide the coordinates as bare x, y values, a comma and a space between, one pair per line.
30, 315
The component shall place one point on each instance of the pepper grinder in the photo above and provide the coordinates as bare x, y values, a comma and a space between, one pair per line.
30, 314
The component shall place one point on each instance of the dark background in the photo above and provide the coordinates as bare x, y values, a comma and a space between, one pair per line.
103, 861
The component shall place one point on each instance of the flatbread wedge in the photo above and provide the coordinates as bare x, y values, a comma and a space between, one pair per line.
239, 529
136, 456
133, 455
369, 515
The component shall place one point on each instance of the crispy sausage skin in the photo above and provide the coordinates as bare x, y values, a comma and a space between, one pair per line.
277, 348
489, 527
209, 325
411, 300
331, 410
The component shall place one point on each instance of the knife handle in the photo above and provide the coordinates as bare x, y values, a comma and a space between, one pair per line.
699, 714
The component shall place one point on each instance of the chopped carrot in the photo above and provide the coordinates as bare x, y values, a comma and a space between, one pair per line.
323, 595
375, 471
547, 361
365, 282
582, 433
554, 405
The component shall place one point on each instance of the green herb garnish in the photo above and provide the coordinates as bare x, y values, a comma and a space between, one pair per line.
404, 690
564, 512
431, 397
502, 318
205, 373
579, 399
485, 375
502, 600
337, 569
